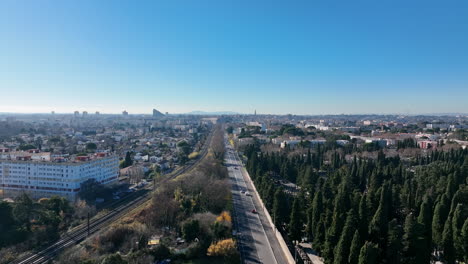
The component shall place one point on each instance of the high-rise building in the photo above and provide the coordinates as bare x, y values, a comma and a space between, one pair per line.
125, 113
77, 113
85, 113
156, 113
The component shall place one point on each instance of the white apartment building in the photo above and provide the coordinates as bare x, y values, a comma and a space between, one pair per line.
40, 178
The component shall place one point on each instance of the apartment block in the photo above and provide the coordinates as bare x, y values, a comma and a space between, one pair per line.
46, 176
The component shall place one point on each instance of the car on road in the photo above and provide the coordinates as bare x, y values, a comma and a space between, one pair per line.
243, 191
254, 211
247, 193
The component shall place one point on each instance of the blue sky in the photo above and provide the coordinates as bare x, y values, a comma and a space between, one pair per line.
299, 57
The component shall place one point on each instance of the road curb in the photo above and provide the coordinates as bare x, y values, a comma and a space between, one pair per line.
278, 235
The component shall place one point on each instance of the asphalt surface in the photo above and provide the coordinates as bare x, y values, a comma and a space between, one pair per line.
256, 239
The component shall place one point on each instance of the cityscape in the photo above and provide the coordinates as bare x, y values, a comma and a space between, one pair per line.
240, 132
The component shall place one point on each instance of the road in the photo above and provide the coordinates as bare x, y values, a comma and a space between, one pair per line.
256, 239
121, 208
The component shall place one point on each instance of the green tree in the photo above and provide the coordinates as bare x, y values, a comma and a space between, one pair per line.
340, 207
184, 147
58, 205
319, 236
190, 230
280, 207
91, 146
315, 212
114, 259
394, 245
295, 222
378, 224
441, 212
369, 253
344, 244
459, 217
90, 189
464, 241
447, 243
7, 224
413, 241
23, 211
355, 248
161, 252
127, 162
425, 226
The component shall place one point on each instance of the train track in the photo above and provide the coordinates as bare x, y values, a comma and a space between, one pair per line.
122, 207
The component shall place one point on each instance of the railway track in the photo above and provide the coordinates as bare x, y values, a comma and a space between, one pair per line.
122, 207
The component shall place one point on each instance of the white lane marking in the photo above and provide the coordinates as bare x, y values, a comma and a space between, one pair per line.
251, 200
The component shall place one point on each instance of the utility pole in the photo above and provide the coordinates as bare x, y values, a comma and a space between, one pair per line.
88, 223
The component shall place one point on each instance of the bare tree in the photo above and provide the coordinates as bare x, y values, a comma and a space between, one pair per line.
135, 174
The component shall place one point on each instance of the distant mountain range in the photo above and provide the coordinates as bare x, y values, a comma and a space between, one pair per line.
211, 113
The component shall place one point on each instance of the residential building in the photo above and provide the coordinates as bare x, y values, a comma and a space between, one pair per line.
60, 176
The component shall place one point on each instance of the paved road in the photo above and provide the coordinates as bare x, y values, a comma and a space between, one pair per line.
257, 242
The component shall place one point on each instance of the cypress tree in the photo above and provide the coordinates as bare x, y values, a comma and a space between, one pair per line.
295, 223
447, 243
343, 247
409, 240
368, 253
309, 230
317, 209
355, 248
319, 236
363, 217
459, 217
424, 221
378, 225
341, 203
464, 240
441, 212
394, 245
280, 207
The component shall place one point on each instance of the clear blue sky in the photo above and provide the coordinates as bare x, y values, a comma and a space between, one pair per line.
300, 57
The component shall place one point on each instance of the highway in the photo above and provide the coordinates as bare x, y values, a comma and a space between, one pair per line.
121, 208
256, 239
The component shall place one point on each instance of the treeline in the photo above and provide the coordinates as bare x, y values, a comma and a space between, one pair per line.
194, 207
31, 224
369, 211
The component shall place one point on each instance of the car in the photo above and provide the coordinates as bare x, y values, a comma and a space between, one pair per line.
254, 211
243, 191
247, 193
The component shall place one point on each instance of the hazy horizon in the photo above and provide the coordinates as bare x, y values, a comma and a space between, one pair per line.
197, 112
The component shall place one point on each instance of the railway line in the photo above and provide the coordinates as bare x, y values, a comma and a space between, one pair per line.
121, 208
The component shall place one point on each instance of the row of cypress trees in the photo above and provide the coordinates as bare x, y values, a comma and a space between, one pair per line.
384, 210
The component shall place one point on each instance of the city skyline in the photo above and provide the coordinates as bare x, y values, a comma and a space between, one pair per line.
306, 58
